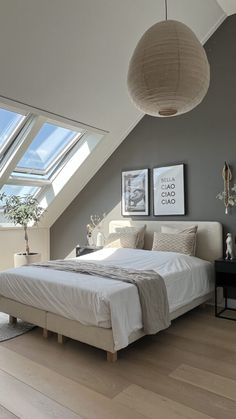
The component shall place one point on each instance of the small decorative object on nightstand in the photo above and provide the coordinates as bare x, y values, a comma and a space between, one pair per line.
84, 250
225, 277
229, 247
95, 225
100, 239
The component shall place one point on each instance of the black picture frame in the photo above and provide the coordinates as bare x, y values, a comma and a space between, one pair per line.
135, 192
169, 190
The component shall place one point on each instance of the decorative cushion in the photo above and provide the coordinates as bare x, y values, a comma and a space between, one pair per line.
176, 230
122, 239
180, 243
140, 231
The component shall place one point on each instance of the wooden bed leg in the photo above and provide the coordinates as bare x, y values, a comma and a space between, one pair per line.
46, 333
12, 320
61, 339
111, 356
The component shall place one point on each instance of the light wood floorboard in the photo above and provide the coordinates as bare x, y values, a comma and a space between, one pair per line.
5, 414
79, 362
27, 403
70, 394
148, 375
155, 406
145, 374
221, 337
172, 351
204, 379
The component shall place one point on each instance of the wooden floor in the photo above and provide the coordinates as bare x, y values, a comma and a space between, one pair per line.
187, 371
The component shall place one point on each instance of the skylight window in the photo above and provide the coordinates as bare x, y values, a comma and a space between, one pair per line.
39, 154
19, 190
9, 122
50, 145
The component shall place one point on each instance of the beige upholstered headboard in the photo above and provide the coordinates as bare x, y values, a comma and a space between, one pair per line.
209, 236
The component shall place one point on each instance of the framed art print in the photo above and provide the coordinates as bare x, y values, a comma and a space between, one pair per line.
168, 184
134, 194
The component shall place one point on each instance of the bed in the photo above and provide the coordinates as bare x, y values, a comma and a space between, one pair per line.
109, 315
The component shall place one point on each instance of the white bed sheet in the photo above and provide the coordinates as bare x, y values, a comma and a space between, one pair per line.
105, 302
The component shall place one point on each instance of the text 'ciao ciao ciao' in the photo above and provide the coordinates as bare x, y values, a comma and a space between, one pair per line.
168, 194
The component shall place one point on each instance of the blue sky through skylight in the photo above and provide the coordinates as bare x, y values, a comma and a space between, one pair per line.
50, 141
8, 123
20, 190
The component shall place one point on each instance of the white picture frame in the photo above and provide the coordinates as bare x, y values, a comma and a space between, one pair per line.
168, 190
135, 192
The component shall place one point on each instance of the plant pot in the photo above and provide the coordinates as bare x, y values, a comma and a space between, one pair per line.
21, 259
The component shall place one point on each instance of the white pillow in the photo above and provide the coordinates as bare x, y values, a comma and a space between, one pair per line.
180, 243
140, 231
122, 239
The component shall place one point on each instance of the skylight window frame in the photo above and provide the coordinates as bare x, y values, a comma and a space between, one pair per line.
10, 140
52, 164
36, 194
66, 158
18, 147
57, 161
17, 180
66, 164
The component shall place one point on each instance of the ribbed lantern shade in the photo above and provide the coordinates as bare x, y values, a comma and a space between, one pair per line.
169, 72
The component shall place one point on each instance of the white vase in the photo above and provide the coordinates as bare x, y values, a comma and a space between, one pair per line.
100, 239
21, 259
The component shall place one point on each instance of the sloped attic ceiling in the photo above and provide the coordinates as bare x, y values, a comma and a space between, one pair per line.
229, 6
71, 58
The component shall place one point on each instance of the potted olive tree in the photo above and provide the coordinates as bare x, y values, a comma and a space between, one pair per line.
21, 211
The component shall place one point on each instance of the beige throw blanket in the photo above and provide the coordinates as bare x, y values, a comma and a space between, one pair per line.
150, 285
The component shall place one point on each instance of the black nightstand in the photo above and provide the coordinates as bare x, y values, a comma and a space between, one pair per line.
84, 250
225, 277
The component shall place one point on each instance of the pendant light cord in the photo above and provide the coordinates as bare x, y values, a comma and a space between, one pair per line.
166, 9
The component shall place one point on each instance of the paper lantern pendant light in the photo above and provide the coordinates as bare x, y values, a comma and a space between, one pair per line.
169, 72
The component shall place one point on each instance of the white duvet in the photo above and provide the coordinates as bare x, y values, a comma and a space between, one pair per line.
104, 302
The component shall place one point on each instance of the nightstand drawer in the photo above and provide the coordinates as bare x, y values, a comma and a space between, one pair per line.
225, 279
225, 266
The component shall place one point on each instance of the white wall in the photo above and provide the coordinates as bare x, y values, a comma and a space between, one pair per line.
12, 241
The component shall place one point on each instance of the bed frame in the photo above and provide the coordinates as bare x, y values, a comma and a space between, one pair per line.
209, 247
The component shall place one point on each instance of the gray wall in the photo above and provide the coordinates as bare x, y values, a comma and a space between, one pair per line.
202, 139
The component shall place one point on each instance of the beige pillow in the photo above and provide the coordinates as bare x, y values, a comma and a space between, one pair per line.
140, 231
176, 230
122, 239
180, 243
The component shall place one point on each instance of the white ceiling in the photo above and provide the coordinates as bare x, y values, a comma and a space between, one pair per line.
71, 57
229, 6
